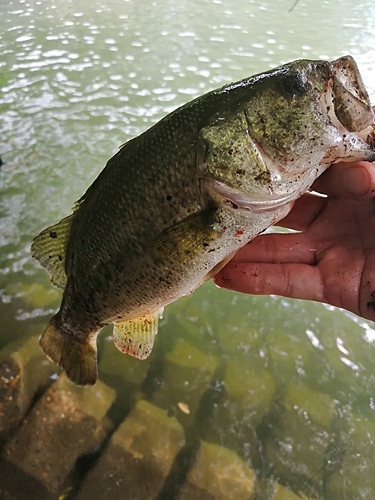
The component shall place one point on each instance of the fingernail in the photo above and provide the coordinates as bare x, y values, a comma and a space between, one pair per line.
357, 180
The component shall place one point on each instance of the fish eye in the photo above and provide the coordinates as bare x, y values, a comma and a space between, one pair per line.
294, 83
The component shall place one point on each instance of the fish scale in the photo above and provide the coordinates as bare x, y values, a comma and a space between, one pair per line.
174, 204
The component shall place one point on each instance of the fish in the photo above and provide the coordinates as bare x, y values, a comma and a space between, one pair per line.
174, 204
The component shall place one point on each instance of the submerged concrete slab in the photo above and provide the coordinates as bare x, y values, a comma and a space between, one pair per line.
188, 373
282, 493
354, 477
24, 370
138, 458
303, 434
218, 474
248, 395
66, 423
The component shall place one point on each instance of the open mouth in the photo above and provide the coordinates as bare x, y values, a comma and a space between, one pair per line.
350, 99
347, 106
347, 101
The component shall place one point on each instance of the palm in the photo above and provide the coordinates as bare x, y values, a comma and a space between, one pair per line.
331, 260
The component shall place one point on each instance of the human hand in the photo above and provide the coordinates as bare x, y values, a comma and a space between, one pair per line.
331, 259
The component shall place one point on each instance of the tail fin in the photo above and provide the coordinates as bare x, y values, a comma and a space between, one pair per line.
77, 359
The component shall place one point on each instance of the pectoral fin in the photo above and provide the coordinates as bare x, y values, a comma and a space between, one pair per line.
136, 337
189, 237
217, 268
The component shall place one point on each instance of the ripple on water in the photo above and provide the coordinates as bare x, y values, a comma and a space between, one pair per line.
76, 81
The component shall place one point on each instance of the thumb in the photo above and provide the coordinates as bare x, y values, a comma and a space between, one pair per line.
348, 180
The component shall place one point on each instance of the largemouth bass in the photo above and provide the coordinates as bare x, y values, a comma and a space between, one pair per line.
175, 203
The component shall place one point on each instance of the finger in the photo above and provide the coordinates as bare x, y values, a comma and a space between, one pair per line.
367, 290
278, 248
305, 210
298, 281
348, 180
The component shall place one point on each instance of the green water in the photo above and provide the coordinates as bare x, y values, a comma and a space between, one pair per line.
289, 385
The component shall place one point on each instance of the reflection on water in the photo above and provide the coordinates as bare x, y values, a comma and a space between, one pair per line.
291, 383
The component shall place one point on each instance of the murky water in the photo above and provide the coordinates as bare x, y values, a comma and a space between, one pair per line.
292, 383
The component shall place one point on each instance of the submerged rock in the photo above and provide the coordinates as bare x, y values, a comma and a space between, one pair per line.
247, 396
354, 476
66, 423
282, 493
303, 434
218, 474
24, 370
138, 458
187, 374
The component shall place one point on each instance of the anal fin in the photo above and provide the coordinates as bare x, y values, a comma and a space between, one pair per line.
136, 336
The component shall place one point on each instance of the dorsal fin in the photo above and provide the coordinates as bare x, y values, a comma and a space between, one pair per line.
49, 248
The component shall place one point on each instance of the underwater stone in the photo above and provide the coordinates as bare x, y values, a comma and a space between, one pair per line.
188, 373
354, 476
117, 369
138, 458
218, 474
252, 390
24, 369
247, 396
291, 356
66, 423
304, 431
282, 493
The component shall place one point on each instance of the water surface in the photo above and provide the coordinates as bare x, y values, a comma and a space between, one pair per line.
77, 79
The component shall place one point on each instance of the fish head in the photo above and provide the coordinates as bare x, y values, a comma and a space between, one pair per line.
352, 107
307, 107
297, 120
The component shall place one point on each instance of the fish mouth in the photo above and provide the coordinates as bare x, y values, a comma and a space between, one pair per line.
346, 106
257, 204
351, 102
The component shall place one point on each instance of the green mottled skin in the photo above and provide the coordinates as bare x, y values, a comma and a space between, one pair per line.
151, 184
152, 226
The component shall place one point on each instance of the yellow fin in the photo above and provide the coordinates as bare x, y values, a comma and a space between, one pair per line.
76, 358
49, 248
136, 337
